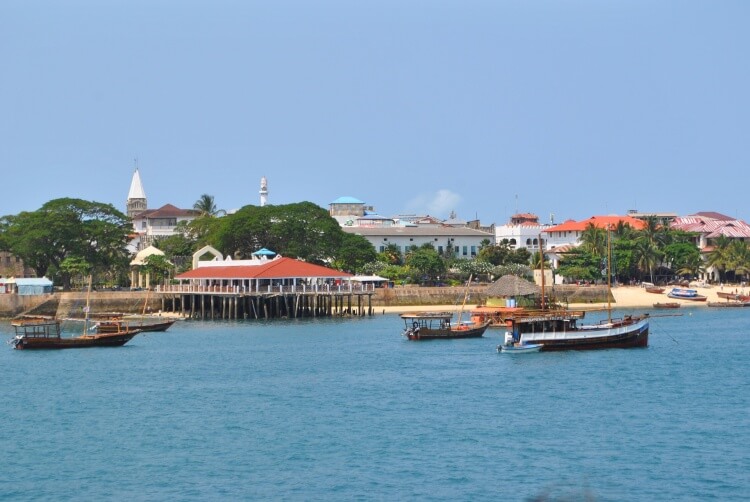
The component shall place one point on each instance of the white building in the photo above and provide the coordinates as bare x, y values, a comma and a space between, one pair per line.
150, 224
522, 231
464, 242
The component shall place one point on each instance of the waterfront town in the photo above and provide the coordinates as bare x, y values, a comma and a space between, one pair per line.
462, 239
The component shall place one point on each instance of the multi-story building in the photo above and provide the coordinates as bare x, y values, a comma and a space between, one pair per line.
523, 230
150, 224
405, 231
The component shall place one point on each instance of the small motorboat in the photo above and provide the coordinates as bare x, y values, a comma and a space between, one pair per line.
511, 346
521, 348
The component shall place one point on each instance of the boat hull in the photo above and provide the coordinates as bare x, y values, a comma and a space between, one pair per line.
78, 342
519, 349
447, 334
670, 305
622, 337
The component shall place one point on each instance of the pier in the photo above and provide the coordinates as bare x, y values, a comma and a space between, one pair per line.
221, 302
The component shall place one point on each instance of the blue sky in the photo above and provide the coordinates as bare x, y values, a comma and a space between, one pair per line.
572, 107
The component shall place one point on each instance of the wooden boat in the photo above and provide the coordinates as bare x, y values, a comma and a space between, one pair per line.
686, 294
733, 296
114, 325
495, 315
654, 289
558, 329
437, 326
667, 305
45, 333
728, 303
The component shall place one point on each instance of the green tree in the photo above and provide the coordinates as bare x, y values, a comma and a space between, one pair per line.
302, 230
739, 258
720, 258
692, 267
206, 206
594, 240
647, 256
76, 268
580, 264
391, 255
499, 254
158, 268
426, 263
94, 232
354, 252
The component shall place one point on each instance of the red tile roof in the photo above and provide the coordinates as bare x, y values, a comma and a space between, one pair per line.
167, 211
598, 221
280, 268
711, 227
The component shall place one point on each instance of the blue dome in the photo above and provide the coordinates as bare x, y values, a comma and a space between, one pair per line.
347, 200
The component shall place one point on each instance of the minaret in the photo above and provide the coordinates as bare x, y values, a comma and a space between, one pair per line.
263, 191
136, 202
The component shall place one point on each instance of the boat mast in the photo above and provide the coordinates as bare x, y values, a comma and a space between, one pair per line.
87, 308
466, 293
541, 261
609, 275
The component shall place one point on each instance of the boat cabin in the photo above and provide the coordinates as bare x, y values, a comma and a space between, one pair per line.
429, 320
544, 322
37, 328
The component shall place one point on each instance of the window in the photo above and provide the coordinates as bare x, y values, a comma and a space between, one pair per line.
440, 249
473, 250
528, 242
465, 250
513, 242
382, 248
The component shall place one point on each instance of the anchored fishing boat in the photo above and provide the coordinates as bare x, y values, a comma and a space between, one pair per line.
558, 329
45, 333
437, 326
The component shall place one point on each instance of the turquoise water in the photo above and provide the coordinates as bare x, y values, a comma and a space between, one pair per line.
349, 410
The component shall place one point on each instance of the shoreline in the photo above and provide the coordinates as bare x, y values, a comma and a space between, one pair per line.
625, 297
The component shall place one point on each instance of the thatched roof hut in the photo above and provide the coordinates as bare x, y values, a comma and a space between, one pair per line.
511, 285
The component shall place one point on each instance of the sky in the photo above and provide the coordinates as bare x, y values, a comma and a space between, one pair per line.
566, 109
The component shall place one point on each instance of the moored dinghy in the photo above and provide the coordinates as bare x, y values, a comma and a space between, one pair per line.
512, 347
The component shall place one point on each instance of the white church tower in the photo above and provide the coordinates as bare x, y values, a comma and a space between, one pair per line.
136, 202
263, 191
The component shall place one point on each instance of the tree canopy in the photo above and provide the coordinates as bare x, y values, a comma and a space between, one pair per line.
301, 230
88, 234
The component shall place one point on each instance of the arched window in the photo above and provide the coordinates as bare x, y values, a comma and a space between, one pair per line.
512, 242
528, 242
536, 242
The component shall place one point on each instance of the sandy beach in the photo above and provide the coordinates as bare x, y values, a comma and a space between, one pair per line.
625, 297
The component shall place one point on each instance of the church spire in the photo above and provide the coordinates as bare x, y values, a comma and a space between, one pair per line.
136, 202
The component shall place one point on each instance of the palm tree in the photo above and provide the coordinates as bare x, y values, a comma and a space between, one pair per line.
739, 258
207, 207
719, 258
647, 256
693, 267
594, 240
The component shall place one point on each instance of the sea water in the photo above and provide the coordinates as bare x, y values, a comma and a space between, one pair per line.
348, 409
